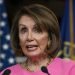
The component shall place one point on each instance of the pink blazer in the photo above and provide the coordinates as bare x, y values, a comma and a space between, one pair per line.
57, 67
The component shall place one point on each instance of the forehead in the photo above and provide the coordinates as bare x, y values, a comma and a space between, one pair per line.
29, 21
26, 20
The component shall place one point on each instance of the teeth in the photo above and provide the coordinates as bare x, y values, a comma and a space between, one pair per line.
30, 46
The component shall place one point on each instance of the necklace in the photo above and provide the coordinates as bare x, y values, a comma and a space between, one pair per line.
26, 66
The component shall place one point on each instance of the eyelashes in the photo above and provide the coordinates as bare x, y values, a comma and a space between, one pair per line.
37, 29
34, 29
23, 30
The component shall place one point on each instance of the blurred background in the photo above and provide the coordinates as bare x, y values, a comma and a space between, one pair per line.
64, 10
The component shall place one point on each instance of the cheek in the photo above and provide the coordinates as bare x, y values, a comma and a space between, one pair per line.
43, 41
22, 39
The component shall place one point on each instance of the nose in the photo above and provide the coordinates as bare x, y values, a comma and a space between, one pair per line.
30, 36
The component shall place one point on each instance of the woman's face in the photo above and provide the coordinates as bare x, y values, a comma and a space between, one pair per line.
33, 41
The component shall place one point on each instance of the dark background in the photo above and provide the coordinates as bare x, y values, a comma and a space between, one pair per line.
13, 6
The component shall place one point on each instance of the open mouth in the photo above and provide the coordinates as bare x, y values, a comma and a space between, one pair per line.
31, 47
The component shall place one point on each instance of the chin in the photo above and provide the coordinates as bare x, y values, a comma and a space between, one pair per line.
33, 55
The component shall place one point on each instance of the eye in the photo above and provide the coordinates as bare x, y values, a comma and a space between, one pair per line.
23, 30
37, 29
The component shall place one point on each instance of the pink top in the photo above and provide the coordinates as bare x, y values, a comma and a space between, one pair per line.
57, 67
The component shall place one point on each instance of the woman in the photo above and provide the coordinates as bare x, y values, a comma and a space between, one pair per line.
35, 34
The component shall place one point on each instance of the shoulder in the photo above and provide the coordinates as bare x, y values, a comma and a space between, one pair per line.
67, 65
13, 69
65, 62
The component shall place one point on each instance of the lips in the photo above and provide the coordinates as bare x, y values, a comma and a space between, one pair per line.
31, 47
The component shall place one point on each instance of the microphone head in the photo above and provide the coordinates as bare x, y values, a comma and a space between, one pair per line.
44, 69
6, 72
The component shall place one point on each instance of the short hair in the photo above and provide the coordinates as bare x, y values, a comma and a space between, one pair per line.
44, 19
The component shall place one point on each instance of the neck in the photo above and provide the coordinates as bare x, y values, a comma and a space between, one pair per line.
41, 60
35, 63
37, 60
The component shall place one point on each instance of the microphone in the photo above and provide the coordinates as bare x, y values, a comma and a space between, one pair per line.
7, 72
45, 70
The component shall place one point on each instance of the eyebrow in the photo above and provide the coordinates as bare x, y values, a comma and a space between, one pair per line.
21, 24
25, 25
